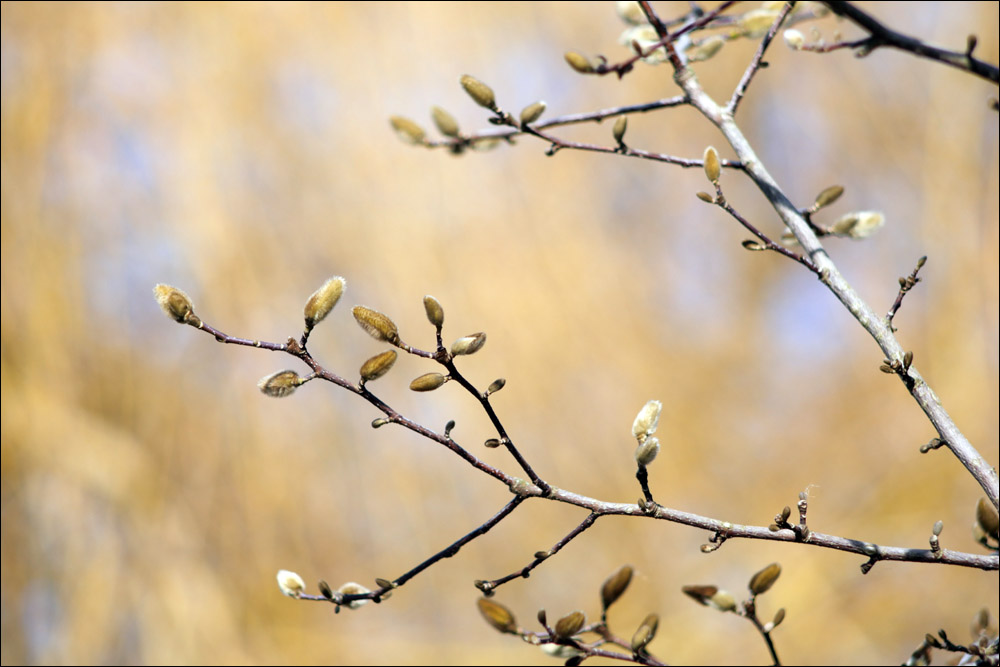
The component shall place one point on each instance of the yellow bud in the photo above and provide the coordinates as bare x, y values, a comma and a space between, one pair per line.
723, 601
496, 386
323, 300
630, 12
532, 112
858, 225
427, 382
828, 196
578, 62
468, 344
756, 23
435, 313
794, 39
352, 588
446, 123
868, 223
290, 583
378, 366
378, 326
615, 585
569, 625
280, 384
497, 615
480, 93
987, 518
561, 652
706, 49
647, 420
176, 304
646, 452
618, 131
763, 580
407, 130
712, 167
702, 594
645, 633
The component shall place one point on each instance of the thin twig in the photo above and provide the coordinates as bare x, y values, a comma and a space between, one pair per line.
541, 557
505, 439
449, 551
751, 614
905, 285
758, 58
722, 203
508, 133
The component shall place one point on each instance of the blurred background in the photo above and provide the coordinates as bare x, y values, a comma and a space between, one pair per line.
242, 152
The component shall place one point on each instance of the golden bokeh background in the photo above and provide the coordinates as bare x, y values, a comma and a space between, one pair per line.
242, 152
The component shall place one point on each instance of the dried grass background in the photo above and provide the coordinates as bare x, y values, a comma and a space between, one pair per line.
242, 152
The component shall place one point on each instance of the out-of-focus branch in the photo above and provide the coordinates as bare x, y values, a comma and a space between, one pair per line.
881, 36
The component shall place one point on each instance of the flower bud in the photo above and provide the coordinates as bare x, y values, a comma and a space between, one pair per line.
829, 195
618, 131
176, 304
532, 112
427, 382
323, 300
757, 22
578, 62
647, 451
723, 601
569, 625
280, 384
712, 167
378, 366
468, 344
706, 49
435, 313
497, 615
868, 223
701, 594
445, 122
858, 225
646, 421
630, 12
615, 585
645, 633
480, 93
794, 39
376, 324
987, 518
763, 580
352, 588
290, 583
407, 130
